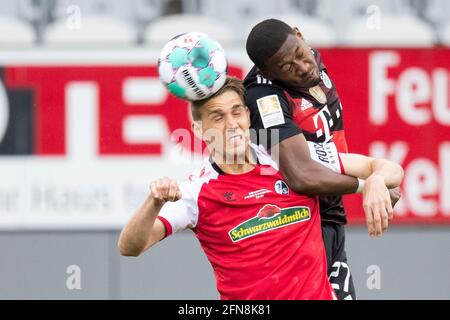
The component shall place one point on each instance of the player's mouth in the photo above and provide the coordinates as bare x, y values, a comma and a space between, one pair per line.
310, 75
235, 139
311, 79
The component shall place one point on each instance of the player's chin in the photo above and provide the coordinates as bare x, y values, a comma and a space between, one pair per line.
235, 151
310, 82
315, 81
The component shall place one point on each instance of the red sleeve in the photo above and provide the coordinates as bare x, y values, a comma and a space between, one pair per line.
168, 227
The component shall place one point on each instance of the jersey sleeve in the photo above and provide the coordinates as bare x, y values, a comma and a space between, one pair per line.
180, 215
327, 155
270, 115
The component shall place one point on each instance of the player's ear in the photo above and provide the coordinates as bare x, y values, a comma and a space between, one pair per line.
298, 33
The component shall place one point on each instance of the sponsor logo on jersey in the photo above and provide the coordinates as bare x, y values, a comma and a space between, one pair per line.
229, 196
281, 187
269, 217
326, 153
326, 79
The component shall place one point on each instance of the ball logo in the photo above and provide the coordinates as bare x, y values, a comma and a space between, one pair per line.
188, 39
281, 187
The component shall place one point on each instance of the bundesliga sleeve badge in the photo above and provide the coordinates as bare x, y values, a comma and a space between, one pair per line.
270, 111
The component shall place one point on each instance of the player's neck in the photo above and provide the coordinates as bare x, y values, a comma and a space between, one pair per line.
236, 165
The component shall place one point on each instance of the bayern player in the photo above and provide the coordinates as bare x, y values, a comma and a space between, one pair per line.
289, 90
262, 239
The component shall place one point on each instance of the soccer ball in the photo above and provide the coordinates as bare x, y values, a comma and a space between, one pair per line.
192, 66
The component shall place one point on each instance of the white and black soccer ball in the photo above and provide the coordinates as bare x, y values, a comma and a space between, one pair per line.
192, 66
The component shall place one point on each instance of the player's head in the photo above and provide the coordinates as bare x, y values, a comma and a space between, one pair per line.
223, 120
281, 54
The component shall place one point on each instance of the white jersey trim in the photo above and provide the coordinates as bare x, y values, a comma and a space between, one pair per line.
183, 214
261, 80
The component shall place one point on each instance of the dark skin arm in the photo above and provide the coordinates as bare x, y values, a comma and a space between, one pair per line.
304, 175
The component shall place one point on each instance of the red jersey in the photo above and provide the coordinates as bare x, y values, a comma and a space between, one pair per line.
263, 240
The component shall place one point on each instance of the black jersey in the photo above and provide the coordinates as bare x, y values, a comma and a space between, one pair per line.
316, 112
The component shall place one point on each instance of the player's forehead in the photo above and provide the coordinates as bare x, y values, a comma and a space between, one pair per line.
286, 51
227, 101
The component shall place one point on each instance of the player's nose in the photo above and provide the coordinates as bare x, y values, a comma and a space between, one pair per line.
231, 122
302, 68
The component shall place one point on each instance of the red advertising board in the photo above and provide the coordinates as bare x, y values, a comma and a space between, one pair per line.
395, 105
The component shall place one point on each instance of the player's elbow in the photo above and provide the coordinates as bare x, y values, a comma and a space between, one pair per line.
128, 250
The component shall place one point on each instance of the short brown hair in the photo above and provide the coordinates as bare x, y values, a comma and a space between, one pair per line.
231, 84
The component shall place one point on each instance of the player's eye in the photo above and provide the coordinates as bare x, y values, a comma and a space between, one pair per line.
286, 67
217, 118
237, 111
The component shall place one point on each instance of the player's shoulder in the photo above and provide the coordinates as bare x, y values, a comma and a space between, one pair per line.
202, 174
199, 177
256, 87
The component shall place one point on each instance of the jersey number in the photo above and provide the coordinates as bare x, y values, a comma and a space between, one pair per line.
335, 274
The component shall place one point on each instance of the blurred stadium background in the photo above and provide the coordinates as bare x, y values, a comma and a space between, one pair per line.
85, 126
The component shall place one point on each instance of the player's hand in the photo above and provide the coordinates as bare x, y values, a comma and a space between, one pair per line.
163, 190
395, 195
377, 205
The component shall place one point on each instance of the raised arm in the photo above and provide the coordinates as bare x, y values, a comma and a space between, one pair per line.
143, 230
305, 175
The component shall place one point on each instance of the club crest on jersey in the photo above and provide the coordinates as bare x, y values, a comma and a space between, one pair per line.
325, 79
318, 94
269, 217
281, 187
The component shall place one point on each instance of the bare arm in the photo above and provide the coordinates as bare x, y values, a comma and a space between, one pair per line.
305, 175
143, 230
380, 174
360, 166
